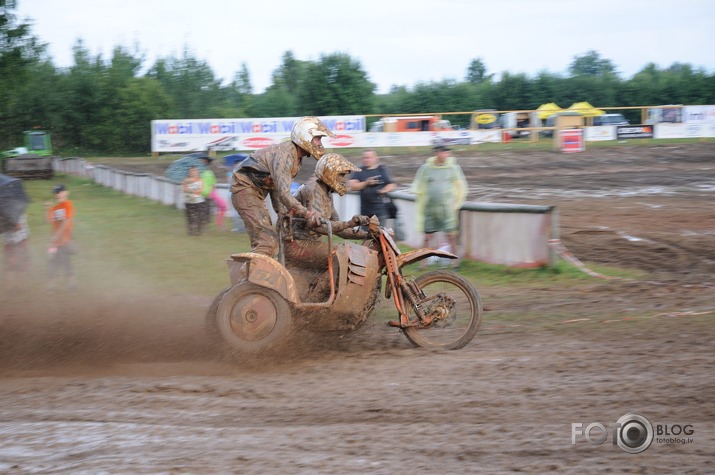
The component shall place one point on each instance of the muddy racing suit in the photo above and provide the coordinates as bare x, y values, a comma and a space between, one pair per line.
305, 247
267, 171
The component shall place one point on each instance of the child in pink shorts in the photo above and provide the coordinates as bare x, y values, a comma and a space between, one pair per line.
221, 207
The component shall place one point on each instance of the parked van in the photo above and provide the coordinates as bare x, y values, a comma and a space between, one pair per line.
610, 119
423, 123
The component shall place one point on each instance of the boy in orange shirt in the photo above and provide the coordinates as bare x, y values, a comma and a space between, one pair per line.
61, 216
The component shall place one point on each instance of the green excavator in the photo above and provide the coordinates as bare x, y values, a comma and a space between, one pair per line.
33, 160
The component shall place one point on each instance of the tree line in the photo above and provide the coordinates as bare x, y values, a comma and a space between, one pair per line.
104, 106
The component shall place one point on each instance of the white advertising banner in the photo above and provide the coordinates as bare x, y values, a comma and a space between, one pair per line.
600, 132
665, 130
699, 114
182, 136
191, 135
426, 139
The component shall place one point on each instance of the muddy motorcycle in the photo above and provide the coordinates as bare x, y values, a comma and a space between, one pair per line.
268, 301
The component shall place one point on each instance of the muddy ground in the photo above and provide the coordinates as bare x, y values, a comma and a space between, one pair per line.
129, 384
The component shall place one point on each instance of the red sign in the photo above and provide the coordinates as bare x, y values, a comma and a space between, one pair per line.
342, 141
572, 140
257, 142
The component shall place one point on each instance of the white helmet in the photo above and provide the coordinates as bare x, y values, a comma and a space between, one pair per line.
331, 170
303, 132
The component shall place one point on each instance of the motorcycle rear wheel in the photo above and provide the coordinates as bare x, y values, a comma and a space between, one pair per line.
460, 325
253, 320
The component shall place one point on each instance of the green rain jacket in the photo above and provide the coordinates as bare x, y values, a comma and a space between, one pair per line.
444, 183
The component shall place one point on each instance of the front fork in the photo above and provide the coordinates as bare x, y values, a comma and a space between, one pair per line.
403, 292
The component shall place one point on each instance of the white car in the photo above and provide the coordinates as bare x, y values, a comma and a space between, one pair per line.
610, 119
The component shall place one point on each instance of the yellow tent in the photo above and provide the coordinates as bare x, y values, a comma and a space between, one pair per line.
585, 109
546, 110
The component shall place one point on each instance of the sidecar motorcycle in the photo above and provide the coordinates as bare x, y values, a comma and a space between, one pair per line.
269, 301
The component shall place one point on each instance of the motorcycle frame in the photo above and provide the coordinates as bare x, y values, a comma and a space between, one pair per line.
261, 270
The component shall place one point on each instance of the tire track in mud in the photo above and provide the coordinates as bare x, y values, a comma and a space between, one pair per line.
692, 257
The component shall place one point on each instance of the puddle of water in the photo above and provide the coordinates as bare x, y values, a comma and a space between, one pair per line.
541, 193
650, 205
634, 238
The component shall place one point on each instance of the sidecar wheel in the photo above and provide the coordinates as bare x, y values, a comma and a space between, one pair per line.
253, 319
460, 322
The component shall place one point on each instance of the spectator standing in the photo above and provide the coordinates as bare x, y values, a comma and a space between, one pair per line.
221, 208
373, 182
208, 177
440, 190
192, 187
17, 253
61, 217
269, 171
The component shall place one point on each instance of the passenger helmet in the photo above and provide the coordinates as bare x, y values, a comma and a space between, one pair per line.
303, 132
331, 170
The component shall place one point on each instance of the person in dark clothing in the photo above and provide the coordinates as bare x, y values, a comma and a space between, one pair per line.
373, 182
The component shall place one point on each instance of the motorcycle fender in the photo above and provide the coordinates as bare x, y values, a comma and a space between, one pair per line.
420, 254
264, 271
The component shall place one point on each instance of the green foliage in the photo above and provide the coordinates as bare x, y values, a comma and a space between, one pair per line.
560, 273
512, 92
591, 64
275, 102
290, 73
335, 85
104, 106
191, 83
477, 72
19, 51
140, 101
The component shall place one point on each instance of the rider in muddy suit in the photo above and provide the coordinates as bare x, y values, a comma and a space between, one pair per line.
270, 171
305, 247
305, 253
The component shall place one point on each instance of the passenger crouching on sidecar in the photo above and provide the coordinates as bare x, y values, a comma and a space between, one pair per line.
303, 247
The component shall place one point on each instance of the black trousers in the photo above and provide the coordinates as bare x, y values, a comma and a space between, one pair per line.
194, 218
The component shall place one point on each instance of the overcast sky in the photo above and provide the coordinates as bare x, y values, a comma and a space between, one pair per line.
397, 42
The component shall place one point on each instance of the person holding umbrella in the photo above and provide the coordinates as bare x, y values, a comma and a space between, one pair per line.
15, 231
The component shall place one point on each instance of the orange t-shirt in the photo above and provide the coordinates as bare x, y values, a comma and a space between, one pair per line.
59, 213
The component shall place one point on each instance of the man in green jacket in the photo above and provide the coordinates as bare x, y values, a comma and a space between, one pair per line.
440, 190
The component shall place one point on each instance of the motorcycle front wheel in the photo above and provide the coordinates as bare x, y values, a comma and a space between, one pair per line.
458, 305
253, 320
